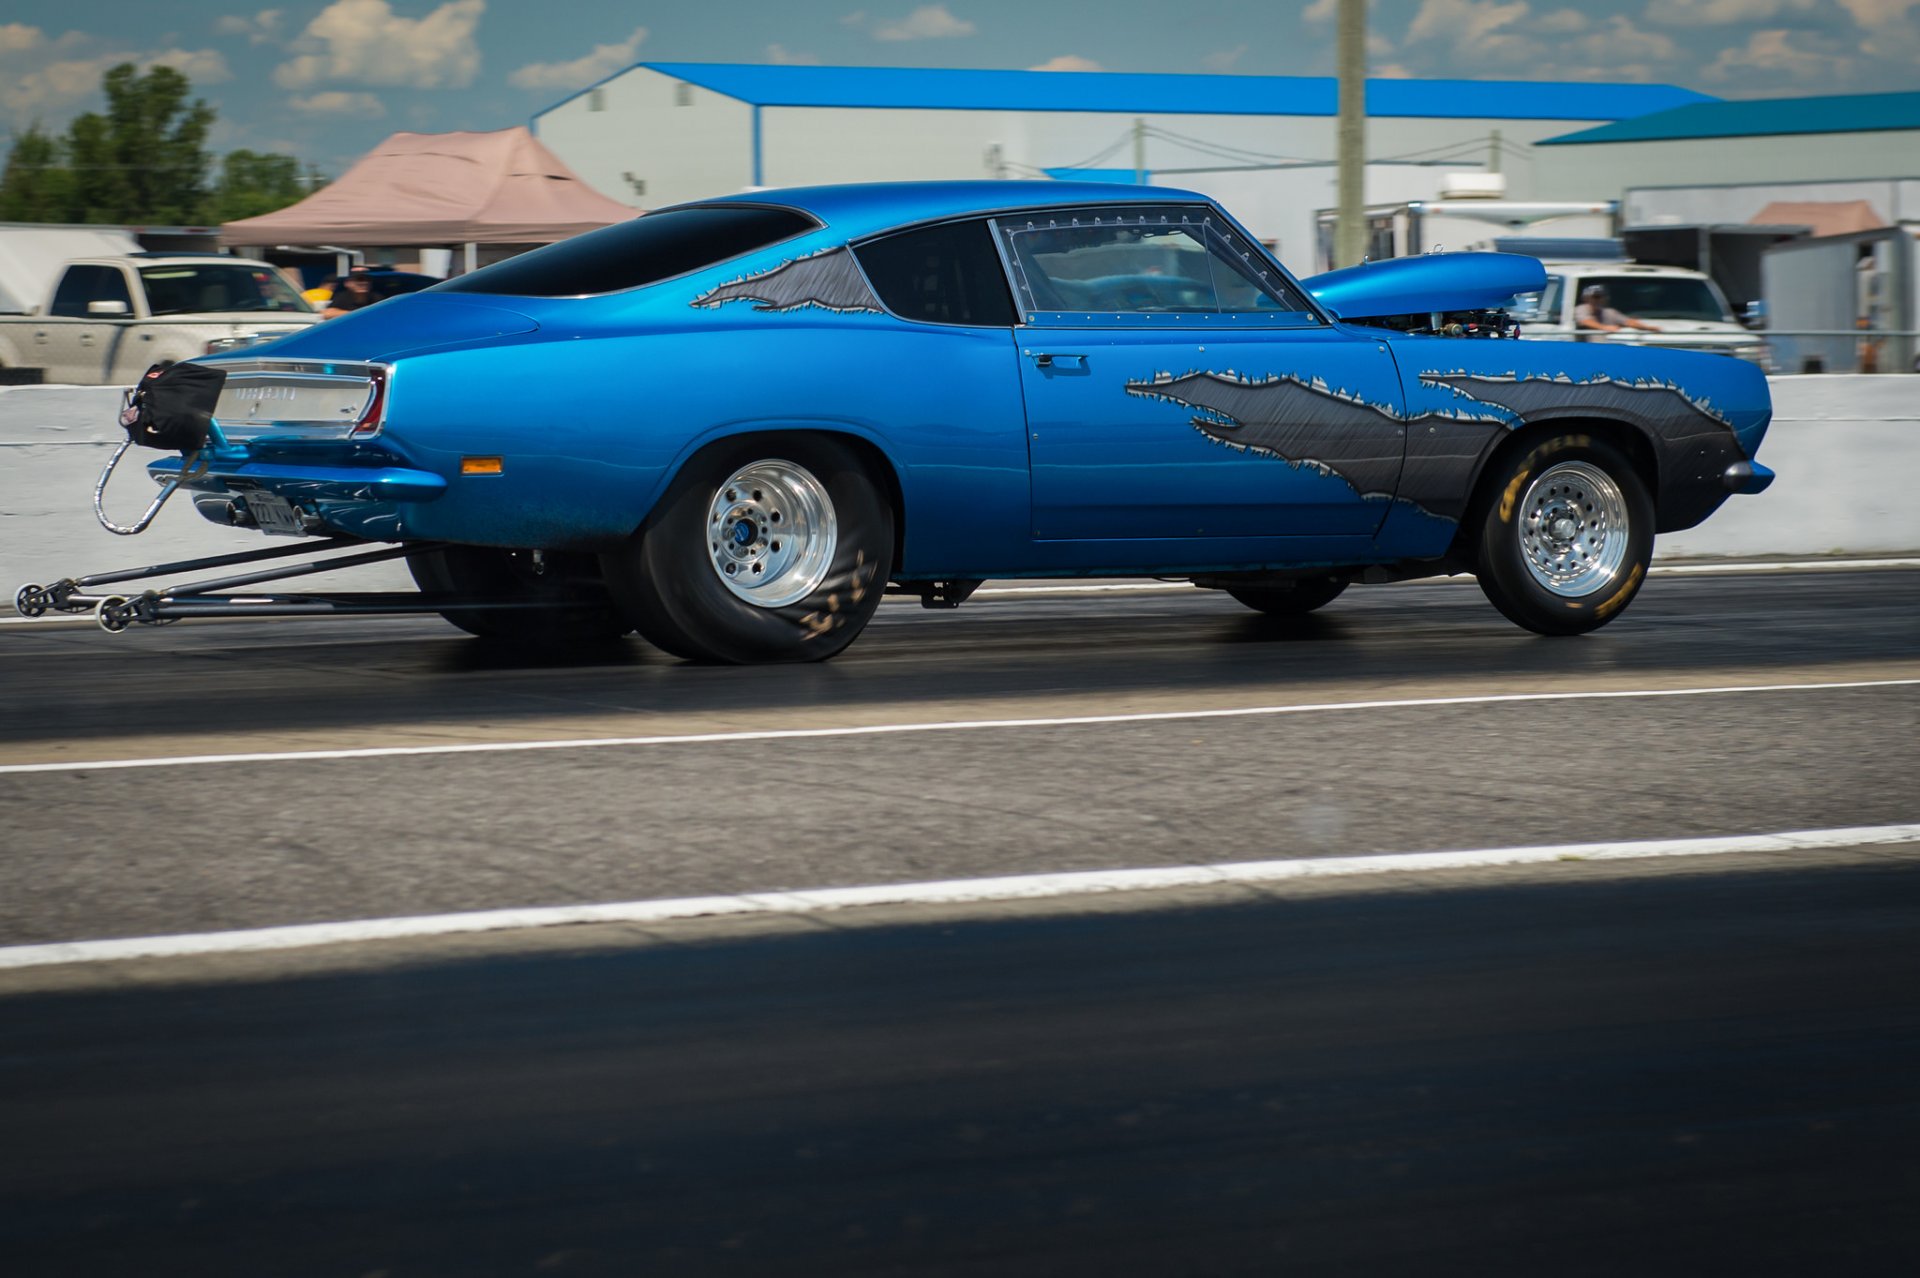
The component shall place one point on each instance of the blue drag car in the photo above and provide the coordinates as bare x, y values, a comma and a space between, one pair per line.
732, 426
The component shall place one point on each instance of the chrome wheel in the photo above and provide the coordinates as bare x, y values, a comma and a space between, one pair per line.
1573, 529
771, 533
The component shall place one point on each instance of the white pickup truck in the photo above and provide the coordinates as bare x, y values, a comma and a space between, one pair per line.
109, 319
1687, 309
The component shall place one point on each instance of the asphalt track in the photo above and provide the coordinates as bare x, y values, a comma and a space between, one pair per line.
1578, 1068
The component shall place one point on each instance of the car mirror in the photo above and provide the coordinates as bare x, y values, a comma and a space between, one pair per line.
107, 308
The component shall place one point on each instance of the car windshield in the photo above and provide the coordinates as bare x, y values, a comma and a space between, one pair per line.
225, 286
1658, 297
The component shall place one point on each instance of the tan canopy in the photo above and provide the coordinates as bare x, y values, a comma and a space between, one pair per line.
1826, 217
442, 188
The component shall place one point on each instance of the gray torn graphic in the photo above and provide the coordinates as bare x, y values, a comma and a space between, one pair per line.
829, 280
1307, 423
1304, 424
1651, 401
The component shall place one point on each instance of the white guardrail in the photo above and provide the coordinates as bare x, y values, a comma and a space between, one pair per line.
1847, 449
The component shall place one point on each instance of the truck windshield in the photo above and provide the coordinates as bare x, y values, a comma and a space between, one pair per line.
218, 286
1658, 297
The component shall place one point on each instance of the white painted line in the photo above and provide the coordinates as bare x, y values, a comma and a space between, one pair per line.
1782, 565
1658, 570
955, 725
1022, 887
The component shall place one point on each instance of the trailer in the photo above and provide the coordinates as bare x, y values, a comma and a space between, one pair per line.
1726, 252
1426, 226
1845, 303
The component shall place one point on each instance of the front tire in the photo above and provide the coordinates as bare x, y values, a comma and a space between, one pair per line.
769, 549
1566, 536
487, 572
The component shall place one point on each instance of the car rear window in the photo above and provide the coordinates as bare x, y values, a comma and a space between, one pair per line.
947, 274
650, 248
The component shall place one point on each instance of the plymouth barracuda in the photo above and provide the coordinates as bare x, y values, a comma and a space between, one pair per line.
731, 426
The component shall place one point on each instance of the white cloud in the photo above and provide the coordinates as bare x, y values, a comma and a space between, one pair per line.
1720, 13
1225, 59
36, 88
1068, 62
1321, 11
1875, 14
1561, 22
598, 65
928, 22
262, 28
364, 41
1507, 37
18, 37
781, 56
1465, 22
1777, 54
337, 102
1621, 39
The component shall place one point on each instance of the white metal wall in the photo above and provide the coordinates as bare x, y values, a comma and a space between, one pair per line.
1580, 170
1895, 200
681, 152
705, 148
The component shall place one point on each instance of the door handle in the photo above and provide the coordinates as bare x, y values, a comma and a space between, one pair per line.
1056, 359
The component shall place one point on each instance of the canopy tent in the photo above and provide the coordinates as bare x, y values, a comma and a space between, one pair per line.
441, 188
1823, 217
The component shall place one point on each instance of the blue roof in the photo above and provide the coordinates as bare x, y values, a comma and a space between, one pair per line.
948, 89
1761, 117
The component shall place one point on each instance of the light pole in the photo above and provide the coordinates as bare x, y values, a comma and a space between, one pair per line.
1350, 232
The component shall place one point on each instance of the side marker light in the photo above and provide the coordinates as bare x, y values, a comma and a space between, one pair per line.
480, 466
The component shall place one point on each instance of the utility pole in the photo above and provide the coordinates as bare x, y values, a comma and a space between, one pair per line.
1139, 151
1493, 153
1350, 232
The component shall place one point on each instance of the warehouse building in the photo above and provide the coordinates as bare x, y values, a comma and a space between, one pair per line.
1839, 138
660, 133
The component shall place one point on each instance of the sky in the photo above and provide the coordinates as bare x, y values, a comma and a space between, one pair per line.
325, 80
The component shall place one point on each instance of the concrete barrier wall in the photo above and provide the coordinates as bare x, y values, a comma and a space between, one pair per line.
1847, 449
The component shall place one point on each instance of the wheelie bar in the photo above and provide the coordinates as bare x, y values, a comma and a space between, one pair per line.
218, 597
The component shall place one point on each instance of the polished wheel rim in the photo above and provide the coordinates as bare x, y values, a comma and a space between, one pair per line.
1573, 529
771, 532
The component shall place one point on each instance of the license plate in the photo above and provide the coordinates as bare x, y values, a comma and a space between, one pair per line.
274, 515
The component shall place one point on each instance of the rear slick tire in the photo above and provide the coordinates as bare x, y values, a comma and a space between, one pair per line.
766, 549
1566, 536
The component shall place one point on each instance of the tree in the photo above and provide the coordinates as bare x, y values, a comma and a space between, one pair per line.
35, 186
158, 140
141, 161
253, 182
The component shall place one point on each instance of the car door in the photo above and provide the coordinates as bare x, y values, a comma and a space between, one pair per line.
74, 341
1178, 386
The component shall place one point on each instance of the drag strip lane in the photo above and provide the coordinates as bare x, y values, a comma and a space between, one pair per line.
890, 729
162, 850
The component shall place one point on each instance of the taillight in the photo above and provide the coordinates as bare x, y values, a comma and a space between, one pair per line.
369, 423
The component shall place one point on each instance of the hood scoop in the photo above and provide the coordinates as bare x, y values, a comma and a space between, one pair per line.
1422, 285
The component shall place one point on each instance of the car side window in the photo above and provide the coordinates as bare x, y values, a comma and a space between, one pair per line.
1170, 264
84, 284
946, 274
1548, 311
